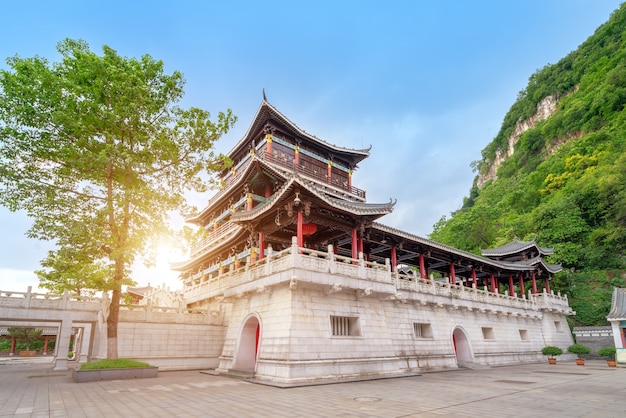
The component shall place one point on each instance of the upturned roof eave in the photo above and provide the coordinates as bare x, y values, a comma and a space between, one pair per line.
357, 154
355, 208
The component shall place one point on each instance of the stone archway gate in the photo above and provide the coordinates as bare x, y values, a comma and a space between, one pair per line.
64, 312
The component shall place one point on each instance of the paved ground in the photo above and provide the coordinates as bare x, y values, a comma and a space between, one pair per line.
536, 390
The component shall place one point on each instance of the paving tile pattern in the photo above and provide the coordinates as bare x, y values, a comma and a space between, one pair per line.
535, 390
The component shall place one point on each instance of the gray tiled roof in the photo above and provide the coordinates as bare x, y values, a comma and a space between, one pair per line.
514, 247
618, 305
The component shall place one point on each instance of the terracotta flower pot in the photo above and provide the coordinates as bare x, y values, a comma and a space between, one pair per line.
611, 363
580, 361
552, 361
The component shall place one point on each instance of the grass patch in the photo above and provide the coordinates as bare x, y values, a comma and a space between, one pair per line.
118, 363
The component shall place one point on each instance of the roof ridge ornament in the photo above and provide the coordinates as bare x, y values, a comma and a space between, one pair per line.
264, 96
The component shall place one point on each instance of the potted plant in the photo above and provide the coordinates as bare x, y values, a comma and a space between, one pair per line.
551, 352
609, 353
579, 350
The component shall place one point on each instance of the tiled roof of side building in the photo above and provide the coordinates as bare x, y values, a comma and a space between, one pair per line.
514, 247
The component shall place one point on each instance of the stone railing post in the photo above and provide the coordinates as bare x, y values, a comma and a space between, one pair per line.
362, 273
295, 253
332, 266
268, 262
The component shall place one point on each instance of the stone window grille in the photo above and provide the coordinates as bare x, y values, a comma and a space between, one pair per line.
345, 326
422, 330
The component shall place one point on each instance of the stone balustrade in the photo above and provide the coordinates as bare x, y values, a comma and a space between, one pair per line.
370, 277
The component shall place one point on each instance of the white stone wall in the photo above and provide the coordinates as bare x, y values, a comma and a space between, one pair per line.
297, 346
171, 346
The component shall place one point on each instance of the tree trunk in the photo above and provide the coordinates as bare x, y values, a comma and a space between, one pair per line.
114, 311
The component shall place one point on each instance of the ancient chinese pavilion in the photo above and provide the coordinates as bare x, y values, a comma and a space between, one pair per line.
310, 287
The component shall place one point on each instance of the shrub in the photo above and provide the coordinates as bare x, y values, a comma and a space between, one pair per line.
551, 351
608, 352
578, 349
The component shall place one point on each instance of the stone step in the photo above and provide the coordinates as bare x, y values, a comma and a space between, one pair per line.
238, 374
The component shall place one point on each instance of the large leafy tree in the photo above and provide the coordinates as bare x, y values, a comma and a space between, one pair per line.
95, 149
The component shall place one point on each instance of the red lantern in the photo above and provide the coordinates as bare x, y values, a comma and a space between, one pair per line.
309, 229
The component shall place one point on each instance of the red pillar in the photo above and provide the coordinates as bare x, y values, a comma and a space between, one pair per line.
548, 284
394, 258
423, 274
249, 201
300, 220
350, 179
354, 244
497, 285
45, 345
534, 280
474, 277
12, 346
268, 139
330, 171
493, 283
511, 286
268, 190
452, 274
296, 155
261, 245
521, 284
360, 240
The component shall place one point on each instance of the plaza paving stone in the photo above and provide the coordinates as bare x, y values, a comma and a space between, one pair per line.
30, 389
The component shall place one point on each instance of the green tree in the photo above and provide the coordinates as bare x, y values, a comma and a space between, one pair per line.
95, 149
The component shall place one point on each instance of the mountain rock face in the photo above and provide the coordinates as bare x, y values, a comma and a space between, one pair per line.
545, 109
556, 173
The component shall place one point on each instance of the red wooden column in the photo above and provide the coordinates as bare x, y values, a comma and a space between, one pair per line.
268, 139
423, 273
521, 284
548, 284
360, 246
394, 258
534, 280
355, 245
249, 202
261, 245
299, 224
12, 352
452, 274
511, 286
350, 179
493, 283
45, 345
296, 155
498, 285
474, 277
330, 171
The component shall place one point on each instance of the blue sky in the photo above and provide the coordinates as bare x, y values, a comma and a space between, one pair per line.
426, 83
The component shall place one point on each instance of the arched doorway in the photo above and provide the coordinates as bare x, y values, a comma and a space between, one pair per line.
462, 348
248, 347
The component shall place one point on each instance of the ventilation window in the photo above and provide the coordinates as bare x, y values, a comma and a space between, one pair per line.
345, 326
422, 330
557, 325
523, 334
488, 333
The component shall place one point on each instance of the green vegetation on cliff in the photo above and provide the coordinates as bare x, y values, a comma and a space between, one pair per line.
565, 184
